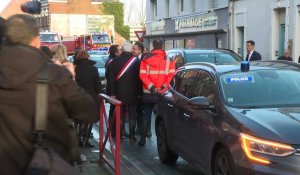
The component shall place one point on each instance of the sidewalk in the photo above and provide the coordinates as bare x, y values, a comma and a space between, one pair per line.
93, 167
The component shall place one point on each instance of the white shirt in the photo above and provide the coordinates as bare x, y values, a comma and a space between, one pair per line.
250, 54
140, 57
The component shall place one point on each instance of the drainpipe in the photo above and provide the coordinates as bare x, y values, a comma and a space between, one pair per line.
231, 25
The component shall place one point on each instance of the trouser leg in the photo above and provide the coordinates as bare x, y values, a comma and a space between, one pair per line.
132, 108
123, 116
148, 108
112, 119
139, 117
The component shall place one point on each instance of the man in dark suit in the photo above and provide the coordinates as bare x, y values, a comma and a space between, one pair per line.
252, 55
125, 84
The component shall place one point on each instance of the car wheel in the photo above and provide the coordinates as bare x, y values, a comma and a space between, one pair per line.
166, 155
223, 164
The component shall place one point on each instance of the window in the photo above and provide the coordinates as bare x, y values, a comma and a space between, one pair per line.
187, 83
154, 8
180, 5
203, 86
167, 8
176, 81
220, 3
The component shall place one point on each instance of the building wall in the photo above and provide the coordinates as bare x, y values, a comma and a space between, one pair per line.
274, 25
187, 23
75, 7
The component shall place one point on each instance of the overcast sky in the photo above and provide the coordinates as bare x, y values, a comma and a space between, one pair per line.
3, 4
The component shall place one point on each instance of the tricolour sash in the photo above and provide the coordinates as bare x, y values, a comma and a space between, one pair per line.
126, 67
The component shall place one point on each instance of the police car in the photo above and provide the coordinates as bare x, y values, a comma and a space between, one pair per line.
232, 119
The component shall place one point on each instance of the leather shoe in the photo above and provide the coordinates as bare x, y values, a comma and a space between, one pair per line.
132, 140
142, 142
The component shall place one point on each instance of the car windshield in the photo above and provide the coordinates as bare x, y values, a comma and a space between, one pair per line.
210, 56
99, 62
99, 39
261, 88
49, 38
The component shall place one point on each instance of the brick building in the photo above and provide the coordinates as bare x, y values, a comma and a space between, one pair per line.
73, 17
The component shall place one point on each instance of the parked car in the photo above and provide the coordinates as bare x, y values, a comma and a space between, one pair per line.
217, 56
226, 120
97, 52
101, 69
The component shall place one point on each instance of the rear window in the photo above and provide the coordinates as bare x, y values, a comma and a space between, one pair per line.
217, 57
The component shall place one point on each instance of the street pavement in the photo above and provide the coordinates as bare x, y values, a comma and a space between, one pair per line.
135, 159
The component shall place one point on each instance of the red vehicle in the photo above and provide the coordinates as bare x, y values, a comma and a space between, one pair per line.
49, 39
94, 41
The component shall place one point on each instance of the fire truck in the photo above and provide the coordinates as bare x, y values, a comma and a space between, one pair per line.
94, 41
49, 39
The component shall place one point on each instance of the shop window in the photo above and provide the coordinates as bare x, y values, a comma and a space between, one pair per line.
168, 44
190, 43
179, 43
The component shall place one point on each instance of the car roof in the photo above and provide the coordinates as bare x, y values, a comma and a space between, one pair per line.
198, 49
256, 65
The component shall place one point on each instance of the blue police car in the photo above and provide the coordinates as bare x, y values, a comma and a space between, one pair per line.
232, 119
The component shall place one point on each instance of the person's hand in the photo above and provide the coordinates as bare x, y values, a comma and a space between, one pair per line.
70, 67
163, 90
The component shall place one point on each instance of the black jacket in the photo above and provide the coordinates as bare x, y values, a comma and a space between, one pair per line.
254, 57
19, 67
87, 77
127, 88
285, 59
108, 71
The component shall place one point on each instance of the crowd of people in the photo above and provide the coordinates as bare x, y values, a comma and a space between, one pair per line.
133, 77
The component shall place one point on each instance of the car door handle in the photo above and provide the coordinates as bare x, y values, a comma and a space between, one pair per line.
170, 105
187, 116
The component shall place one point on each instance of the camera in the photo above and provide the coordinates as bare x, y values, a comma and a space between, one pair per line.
31, 7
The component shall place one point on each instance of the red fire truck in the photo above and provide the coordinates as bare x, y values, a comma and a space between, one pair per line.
94, 41
49, 39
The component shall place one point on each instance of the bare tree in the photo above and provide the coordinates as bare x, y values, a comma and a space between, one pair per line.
135, 12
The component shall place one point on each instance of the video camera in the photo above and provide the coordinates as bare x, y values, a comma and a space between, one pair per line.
31, 7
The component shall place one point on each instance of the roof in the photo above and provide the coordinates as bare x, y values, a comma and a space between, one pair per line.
199, 49
258, 65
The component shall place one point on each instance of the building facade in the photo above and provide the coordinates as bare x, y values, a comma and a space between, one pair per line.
187, 23
74, 17
274, 25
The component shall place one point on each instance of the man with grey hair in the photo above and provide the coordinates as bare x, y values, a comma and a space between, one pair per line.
286, 56
21, 61
125, 87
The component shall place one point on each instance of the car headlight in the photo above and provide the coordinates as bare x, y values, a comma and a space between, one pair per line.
252, 145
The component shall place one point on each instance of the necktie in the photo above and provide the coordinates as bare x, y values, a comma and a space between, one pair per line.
247, 57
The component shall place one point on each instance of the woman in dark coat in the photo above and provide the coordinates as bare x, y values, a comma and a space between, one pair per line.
87, 77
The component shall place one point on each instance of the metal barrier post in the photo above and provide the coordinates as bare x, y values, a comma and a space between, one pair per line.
115, 147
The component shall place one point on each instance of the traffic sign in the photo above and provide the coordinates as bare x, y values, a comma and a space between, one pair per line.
139, 35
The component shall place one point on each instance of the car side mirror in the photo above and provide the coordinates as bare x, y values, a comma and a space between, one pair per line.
199, 103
